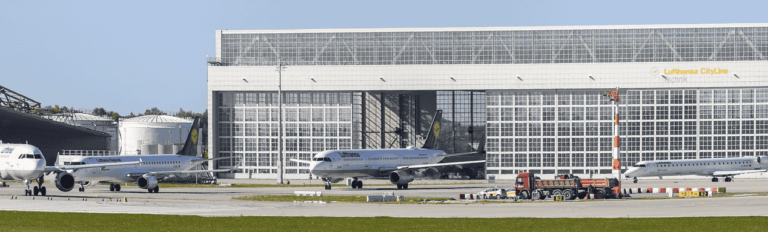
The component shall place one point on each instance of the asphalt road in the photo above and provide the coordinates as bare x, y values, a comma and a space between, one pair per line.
218, 201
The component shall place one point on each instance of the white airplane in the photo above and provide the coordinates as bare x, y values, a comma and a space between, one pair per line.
724, 167
144, 170
396, 164
26, 163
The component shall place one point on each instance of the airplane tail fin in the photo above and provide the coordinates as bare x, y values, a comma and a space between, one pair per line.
190, 146
434, 131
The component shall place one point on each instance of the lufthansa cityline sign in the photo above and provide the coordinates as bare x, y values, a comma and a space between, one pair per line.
676, 75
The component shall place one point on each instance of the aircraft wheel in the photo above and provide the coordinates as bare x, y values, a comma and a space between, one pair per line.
714, 179
149, 190
36, 190
42, 190
399, 186
405, 186
354, 184
634, 181
157, 189
111, 187
360, 184
117, 188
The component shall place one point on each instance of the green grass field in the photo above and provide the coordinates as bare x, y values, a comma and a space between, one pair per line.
44, 221
345, 199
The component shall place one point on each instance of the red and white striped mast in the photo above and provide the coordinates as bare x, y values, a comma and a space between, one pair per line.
614, 95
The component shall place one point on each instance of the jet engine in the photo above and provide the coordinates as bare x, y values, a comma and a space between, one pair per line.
65, 182
400, 177
147, 182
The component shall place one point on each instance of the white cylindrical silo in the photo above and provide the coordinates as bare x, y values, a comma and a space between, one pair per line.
153, 130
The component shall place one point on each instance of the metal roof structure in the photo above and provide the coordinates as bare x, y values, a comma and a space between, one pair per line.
14, 100
494, 45
157, 119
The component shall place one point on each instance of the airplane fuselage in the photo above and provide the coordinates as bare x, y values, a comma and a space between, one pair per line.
369, 162
698, 167
123, 174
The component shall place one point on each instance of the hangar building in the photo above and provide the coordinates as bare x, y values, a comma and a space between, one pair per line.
532, 94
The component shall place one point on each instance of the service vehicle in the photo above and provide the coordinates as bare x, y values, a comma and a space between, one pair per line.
528, 186
494, 193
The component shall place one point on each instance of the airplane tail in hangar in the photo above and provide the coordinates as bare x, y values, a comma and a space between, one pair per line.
434, 131
190, 146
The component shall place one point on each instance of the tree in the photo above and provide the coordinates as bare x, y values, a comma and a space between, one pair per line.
64, 109
56, 109
131, 115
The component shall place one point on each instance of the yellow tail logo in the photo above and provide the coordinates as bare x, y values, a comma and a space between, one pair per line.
437, 129
194, 136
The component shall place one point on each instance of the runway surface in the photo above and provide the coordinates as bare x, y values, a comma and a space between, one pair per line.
218, 202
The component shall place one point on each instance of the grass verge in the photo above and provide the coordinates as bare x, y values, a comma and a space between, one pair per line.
48, 221
176, 185
344, 199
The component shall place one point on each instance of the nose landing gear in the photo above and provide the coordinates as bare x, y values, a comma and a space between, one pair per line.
634, 180
327, 183
37, 190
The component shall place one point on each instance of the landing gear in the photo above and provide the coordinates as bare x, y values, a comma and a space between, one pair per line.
728, 179
327, 186
357, 183
634, 180
402, 186
27, 192
117, 187
714, 179
114, 187
154, 190
36, 190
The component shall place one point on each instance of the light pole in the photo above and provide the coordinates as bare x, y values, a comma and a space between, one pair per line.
280, 68
614, 96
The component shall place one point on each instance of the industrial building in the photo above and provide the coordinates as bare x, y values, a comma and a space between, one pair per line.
98, 123
18, 124
153, 134
532, 94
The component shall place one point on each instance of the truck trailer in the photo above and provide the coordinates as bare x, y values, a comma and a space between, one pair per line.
528, 186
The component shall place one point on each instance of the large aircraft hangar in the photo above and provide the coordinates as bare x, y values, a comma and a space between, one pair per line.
532, 97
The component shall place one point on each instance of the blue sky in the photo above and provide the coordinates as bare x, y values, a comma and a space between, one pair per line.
133, 55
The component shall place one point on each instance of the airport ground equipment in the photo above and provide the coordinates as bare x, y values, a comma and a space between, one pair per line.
528, 186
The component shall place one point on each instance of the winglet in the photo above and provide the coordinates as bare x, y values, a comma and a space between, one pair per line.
434, 131
190, 146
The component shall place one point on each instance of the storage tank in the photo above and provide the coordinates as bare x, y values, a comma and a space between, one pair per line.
162, 131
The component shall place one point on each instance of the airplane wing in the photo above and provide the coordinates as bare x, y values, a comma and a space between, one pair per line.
203, 160
134, 174
731, 173
68, 167
465, 153
300, 161
439, 164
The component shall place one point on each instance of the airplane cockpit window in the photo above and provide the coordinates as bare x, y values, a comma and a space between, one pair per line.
27, 156
326, 159
641, 165
38, 156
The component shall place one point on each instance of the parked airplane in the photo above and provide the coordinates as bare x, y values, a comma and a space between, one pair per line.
144, 169
26, 163
723, 167
396, 164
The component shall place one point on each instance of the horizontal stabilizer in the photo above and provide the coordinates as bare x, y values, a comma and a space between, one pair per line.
300, 161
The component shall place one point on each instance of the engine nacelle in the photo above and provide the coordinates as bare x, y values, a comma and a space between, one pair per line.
147, 182
65, 182
400, 177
